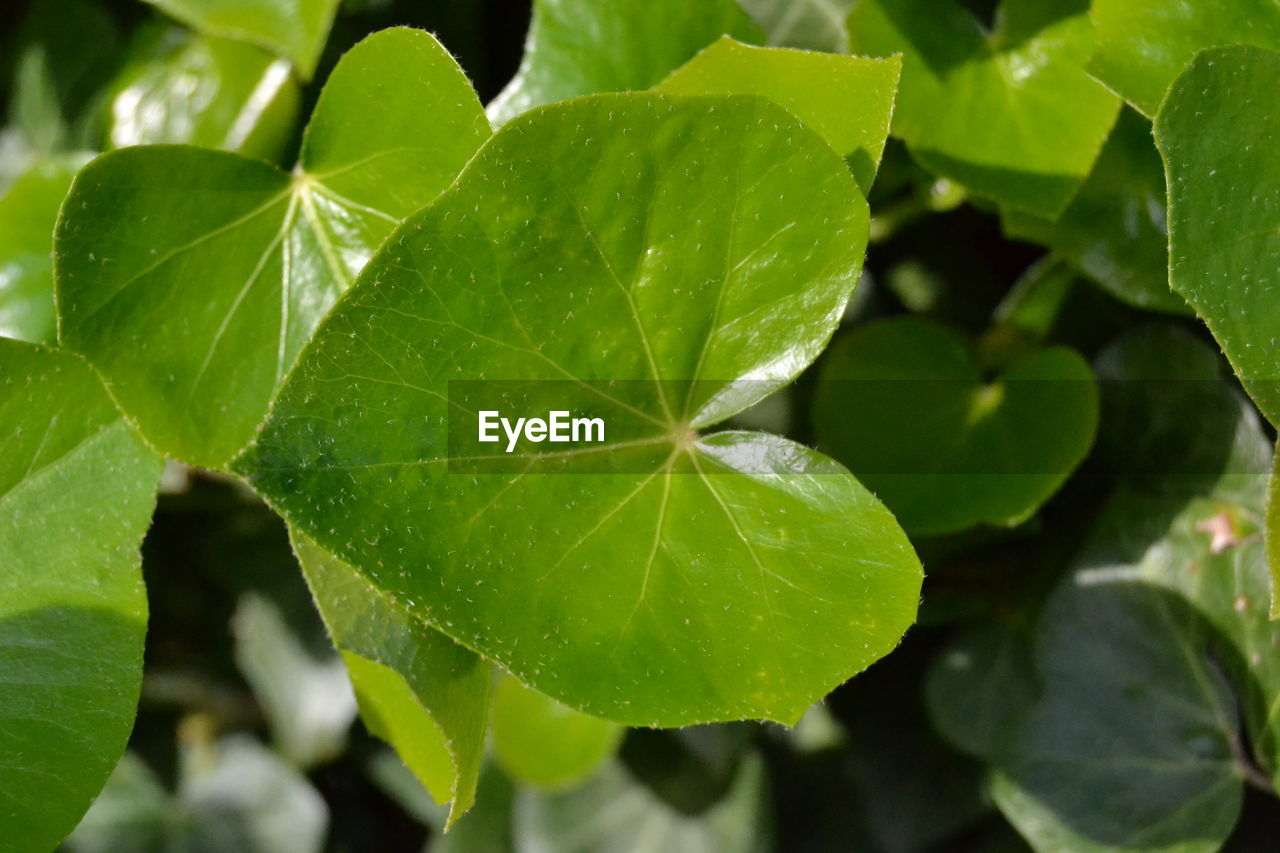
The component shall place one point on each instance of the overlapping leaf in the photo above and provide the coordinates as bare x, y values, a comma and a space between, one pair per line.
590, 249
295, 29
583, 47
1144, 44
905, 405
191, 278
1217, 131
420, 691
848, 100
804, 24
205, 91
1010, 113
76, 492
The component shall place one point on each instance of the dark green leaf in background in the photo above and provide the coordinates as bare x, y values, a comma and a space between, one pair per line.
905, 405
1114, 229
1010, 113
418, 690
1144, 44
583, 47
661, 577
1217, 132
77, 488
847, 100
199, 90
294, 29
191, 278
27, 215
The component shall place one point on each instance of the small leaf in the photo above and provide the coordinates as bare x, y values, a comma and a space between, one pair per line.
1114, 229
905, 405
205, 91
614, 812
1010, 113
195, 367
676, 578
77, 489
540, 742
27, 215
584, 47
1144, 44
295, 30
804, 24
848, 100
1216, 131
418, 690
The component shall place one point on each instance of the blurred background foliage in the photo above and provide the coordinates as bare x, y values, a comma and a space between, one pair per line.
248, 738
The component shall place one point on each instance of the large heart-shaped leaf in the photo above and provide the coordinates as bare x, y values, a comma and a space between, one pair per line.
76, 492
191, 278
1216, 131
582, 47
201, 90
590, 249
905, 405
1144, 44
1114, 229
1009, 113
28, 212
418, 690
847, 99
295, 29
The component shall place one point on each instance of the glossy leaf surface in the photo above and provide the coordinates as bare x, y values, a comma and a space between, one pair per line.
583, 47
198, 90
1115, 230
1010, 113
424, 694
905, 405
660, 576
294, 29
846, 99
540, 742
1143, 45
27, 214
803, 24
191, 278
76, 492
1217, 131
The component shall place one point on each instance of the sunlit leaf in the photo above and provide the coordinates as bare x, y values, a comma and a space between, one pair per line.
583, 47
77, 488
660, 576
191, 278
1009, 113
804, 24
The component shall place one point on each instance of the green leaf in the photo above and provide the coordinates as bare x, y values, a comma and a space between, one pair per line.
583, 47
195, 367
418, 690
615, 813
1272, 535
848, 100
77, 489
944, 447
27, 215
198, 90
589, 249
295, 30
1144, 44
1009, 113
804, 24
1216, 132
540, 742
306, 699
1114, 229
